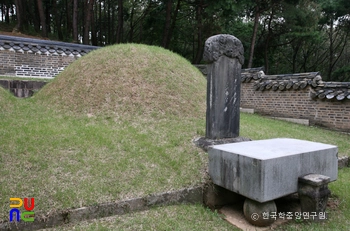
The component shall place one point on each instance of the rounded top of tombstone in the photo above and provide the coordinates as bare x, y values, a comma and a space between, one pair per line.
223, 45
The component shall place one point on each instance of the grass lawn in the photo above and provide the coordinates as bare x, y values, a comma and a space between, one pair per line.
196, 217
66, 161
72, 161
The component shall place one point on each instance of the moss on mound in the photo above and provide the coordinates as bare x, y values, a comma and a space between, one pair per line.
128, 78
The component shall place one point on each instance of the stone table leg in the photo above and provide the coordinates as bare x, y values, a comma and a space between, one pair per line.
259, 214
313, 194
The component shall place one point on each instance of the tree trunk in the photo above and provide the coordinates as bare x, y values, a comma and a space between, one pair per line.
36, 18
113, 36
100, 25
331, 52
42, 18
75, 21
93, 29
7, 15
48, 15
69, 23
108, 6
132, 25
121, 21
167, 24
267, 42
200, 45
20, 16
88, 15
172, 27
255, 31
57, 20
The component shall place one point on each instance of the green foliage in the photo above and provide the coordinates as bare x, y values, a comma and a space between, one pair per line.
292, 36
342, 74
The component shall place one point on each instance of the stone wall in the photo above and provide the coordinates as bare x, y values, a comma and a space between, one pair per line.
299, 96
22, 88
23, 57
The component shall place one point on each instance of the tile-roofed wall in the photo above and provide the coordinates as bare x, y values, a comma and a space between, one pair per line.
299, 96
26, 57
319, 88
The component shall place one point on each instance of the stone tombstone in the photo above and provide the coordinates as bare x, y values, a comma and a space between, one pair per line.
224, 55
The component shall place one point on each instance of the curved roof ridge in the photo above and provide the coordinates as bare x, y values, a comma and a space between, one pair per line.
297, 81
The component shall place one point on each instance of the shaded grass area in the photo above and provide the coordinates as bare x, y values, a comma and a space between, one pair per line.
176, 217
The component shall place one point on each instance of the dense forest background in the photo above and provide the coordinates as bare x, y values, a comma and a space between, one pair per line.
284, 36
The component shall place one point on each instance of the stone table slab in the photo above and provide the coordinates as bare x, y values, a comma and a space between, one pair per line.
265, 170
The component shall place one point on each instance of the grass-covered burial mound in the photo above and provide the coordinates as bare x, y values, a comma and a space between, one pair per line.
129, 79
115, 124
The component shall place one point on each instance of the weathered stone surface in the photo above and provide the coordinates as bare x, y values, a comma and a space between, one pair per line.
215, 196
206, 144
225, 56
265, 170
313, 193
22, 88
254, 212
223, 45
343, 162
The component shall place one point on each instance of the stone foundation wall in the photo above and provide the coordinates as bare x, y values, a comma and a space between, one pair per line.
22, 88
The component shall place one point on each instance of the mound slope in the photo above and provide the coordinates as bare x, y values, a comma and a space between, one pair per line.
6, 100
128, 78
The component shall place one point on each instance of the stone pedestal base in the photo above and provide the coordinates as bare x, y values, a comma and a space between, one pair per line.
215, 196
258, 214
206, 144
313, 194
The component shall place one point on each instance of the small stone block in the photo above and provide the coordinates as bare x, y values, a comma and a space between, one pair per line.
315, 179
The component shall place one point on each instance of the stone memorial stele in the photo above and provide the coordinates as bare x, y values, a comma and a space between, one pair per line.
224, 55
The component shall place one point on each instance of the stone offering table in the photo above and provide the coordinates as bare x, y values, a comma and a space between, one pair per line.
265, 170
